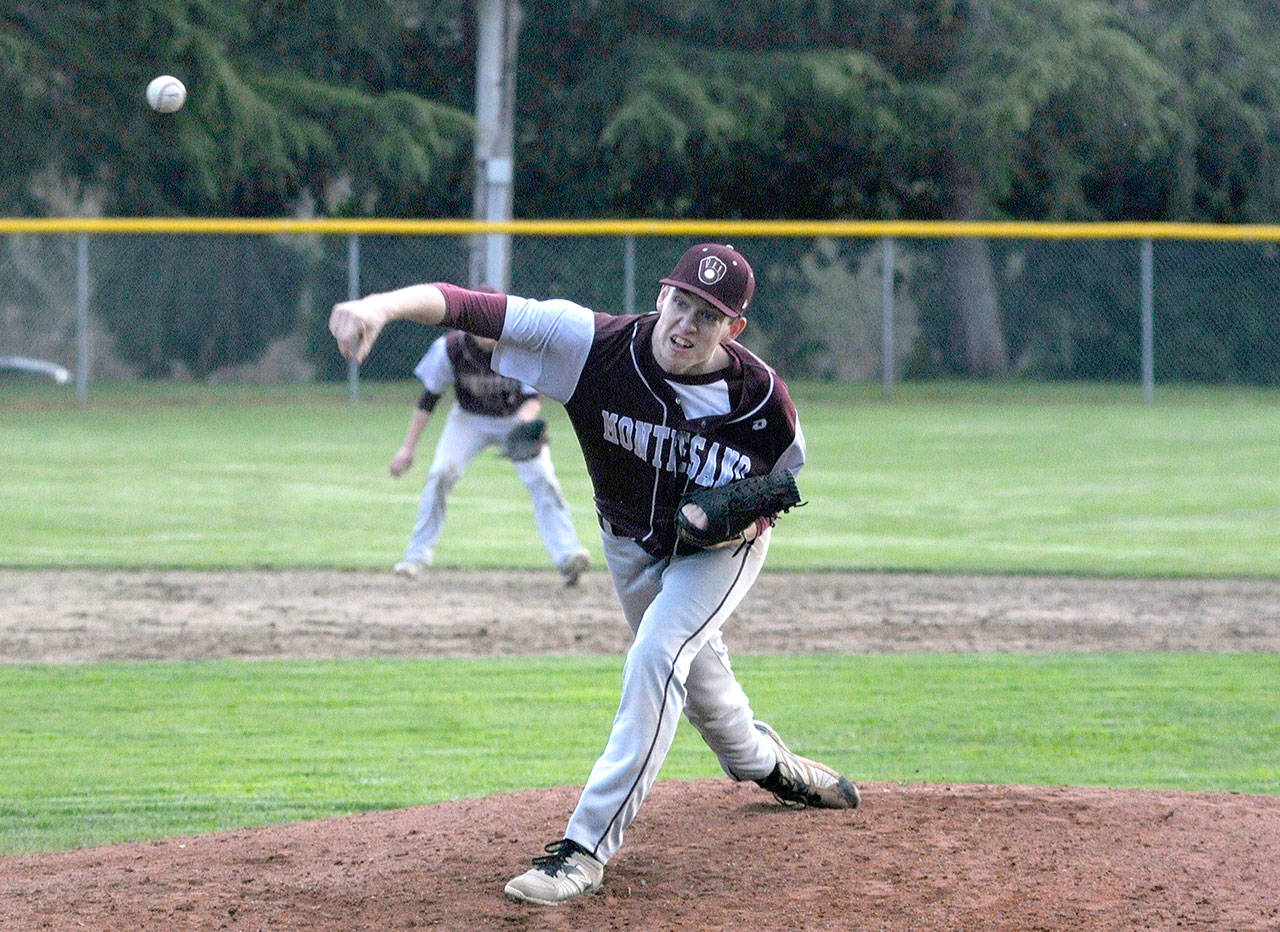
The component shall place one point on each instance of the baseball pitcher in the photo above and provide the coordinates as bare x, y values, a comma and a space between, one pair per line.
693, 445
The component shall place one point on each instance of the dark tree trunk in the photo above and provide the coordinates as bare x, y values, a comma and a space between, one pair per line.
970, 282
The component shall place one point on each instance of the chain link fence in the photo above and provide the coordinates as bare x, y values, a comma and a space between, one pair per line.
108, 305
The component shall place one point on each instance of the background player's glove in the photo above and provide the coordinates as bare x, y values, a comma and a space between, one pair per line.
732, 508
526, 440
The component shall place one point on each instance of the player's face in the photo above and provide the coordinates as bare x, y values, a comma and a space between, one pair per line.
687, 338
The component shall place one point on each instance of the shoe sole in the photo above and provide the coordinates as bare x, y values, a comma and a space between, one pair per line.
521, 898
847, 791
512, 893
411, 570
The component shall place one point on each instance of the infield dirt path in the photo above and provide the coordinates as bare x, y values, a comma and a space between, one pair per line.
72, 616
707, 855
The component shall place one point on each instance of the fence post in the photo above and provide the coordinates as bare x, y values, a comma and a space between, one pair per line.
82, 318
629, 274
1148, 322
886, 308
353, 292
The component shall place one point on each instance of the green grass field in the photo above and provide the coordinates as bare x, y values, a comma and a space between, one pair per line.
1011, 478
1016, 478
107, 752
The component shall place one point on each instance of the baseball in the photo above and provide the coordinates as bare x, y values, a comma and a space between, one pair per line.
166, 94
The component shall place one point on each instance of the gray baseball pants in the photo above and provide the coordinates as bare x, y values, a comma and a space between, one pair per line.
677, 663
462, 438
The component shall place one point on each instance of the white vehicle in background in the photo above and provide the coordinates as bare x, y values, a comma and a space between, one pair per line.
35, 366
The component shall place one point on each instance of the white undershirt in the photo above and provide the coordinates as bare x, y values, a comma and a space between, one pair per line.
699, 401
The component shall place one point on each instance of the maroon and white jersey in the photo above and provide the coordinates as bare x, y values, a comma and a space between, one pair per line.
647, 436
455, 360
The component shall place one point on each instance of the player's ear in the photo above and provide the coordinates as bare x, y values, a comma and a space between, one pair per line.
662, 296
736, 326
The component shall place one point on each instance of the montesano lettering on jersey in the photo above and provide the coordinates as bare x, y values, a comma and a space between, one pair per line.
677, 451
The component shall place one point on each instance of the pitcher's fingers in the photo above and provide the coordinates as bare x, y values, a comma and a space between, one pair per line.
343, 329
368, 336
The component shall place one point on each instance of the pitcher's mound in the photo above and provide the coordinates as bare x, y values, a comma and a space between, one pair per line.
704, 855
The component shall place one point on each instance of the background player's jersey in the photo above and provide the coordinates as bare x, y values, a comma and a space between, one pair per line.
456, 360
641, 428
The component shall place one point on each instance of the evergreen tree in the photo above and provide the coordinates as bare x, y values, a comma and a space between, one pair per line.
288, 102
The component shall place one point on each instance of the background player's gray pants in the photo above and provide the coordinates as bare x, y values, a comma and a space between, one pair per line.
676, 663
462, 438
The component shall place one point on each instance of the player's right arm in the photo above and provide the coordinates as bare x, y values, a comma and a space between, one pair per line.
542, 343
355, 325
435, 369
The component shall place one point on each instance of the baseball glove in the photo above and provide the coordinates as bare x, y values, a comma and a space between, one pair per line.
732, 508
526, 440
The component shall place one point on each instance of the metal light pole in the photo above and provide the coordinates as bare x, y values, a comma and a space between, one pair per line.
498, 29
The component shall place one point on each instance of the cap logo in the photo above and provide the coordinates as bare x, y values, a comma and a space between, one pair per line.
711, 269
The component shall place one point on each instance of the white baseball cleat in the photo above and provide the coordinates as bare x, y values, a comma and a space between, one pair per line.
410, 568
565, 871
574, 566
798, 782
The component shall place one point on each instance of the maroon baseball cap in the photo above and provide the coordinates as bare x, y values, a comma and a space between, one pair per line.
717, 273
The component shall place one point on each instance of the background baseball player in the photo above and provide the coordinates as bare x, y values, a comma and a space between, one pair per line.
487, 409
662, 404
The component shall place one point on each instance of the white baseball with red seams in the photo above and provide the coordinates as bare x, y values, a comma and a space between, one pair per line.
166, 94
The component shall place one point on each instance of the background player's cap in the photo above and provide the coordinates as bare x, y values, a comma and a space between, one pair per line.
717, 273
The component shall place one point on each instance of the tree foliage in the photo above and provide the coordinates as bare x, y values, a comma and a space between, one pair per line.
964, 109
1228, 96
1058, 109
293, 109
880, 109
288, 101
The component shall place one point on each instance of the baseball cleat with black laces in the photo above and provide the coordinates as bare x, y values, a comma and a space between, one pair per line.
565, 871
798, 782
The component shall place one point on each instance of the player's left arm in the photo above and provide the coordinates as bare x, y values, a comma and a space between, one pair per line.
787, 464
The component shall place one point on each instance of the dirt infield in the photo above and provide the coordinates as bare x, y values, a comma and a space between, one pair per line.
708, 855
